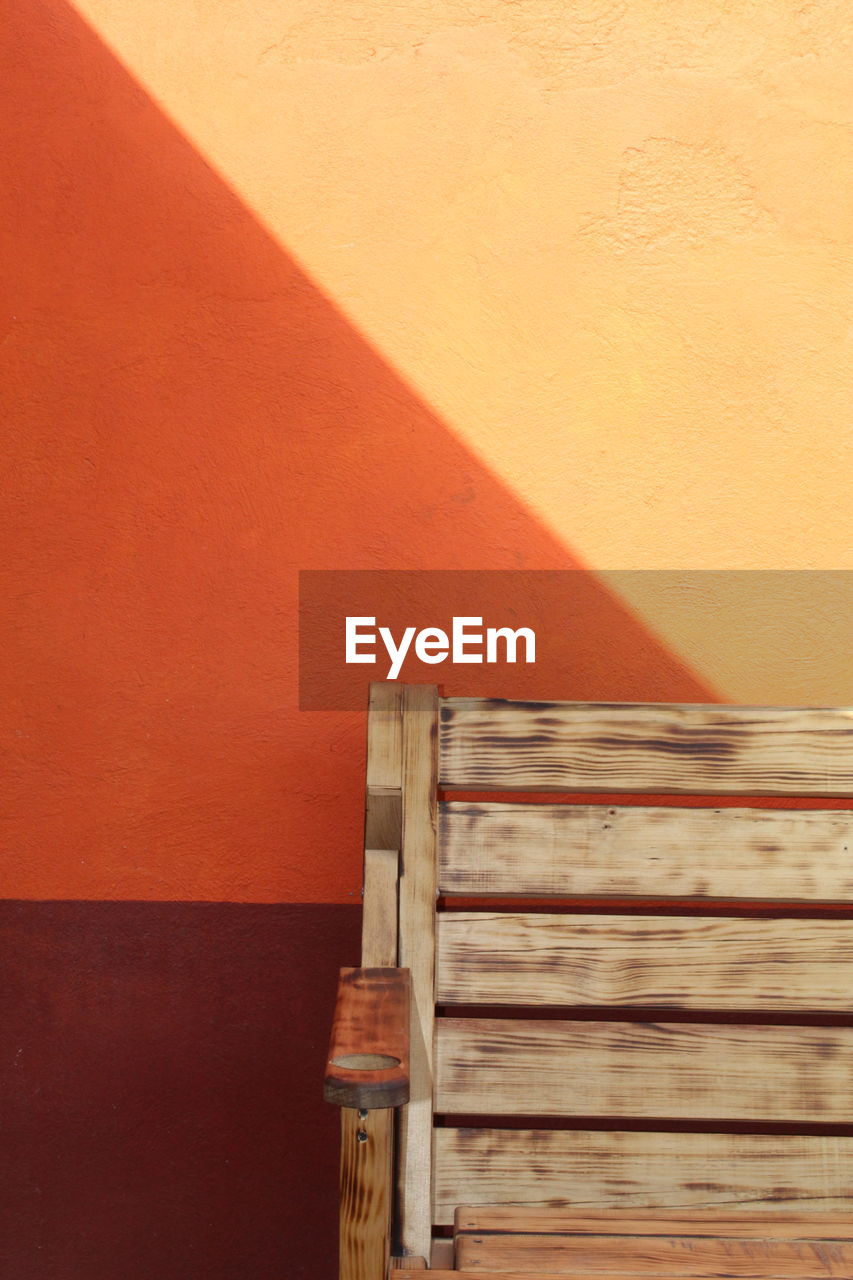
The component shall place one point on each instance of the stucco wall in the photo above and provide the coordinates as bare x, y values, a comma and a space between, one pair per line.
429, 285
360, 285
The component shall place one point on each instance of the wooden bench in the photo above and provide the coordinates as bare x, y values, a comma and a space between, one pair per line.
595, 1034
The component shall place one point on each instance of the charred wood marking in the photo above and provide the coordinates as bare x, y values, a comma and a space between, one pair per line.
699, 1258
698, 1244
596, 1170
678, 1071
634, 850
638, 747
529, 958
366, 1184
368, 1064
742, 1224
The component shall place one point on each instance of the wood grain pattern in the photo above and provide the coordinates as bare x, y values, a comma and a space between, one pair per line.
490, 745
574, 1067
366, 1193
443, 1255
574, 1274
368, 1063
658, 1256
598, 1170
743, 1222
624, 1273
367, 1135
633, 850
527, 958
379, 911
385, 736
701, 1244
383, 806
411, 1268
417, 953
383, 825
500, 1066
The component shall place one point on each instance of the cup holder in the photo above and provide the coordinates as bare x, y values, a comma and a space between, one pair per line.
366, 1062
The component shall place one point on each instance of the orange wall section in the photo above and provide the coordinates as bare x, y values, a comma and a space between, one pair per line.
562, 284
607, 240
196, 417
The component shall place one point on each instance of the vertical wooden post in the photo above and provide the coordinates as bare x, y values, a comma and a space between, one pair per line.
367, 1137
383, 824
417, 953
366, 1193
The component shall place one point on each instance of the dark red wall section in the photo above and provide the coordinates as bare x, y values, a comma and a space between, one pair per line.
160, 1090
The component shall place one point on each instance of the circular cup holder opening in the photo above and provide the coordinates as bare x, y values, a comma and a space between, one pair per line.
366, 1062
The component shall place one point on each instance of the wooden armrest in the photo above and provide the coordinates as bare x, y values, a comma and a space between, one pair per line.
368, 1065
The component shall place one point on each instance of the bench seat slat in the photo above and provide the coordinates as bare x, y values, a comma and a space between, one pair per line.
699, 1244
624, 1273
670, 1256
499, 1066
491, 745
611, 1170
530, 958
576, 850
745, 1223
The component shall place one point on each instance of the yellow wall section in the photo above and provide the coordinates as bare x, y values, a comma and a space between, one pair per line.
758, 637
608, 242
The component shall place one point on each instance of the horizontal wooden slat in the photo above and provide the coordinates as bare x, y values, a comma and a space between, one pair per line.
633, 850
742, 1223
655, 1256
624, 1273
502, 1066
490, 745
704, 1244
535, 1168
527, 958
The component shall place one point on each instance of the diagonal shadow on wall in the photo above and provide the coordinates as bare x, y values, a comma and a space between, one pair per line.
193, 422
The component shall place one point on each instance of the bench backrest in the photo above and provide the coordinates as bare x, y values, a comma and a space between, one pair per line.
662, 1017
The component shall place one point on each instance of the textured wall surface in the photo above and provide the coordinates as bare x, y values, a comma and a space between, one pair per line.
608, 241
161, 1114
376, 286
328, 285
